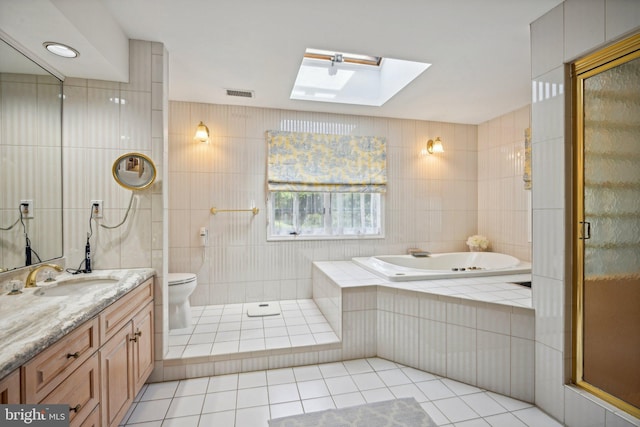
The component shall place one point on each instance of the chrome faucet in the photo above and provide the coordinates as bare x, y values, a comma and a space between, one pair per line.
33, 274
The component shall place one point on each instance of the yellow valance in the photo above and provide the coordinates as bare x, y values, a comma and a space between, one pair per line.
299, 161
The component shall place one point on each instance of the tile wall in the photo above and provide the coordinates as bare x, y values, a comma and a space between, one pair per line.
503, 203
431, 201
567, 32
103, 120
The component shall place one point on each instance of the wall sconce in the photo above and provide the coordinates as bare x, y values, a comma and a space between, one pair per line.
435, 146
202, 133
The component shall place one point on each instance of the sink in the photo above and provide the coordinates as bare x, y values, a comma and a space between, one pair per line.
75, 286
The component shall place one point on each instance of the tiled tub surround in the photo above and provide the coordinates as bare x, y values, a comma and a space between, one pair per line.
476, 330
31, 323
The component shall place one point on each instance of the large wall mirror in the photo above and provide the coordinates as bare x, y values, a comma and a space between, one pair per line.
30, 161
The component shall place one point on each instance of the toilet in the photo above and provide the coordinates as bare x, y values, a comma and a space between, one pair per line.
181, 285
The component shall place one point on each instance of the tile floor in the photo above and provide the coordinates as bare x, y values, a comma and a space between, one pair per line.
225, 329
250, 399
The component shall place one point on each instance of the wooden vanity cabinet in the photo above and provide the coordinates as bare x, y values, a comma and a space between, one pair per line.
97, 369
126, 356
10, 388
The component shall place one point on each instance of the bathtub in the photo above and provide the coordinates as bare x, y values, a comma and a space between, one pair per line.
398, 268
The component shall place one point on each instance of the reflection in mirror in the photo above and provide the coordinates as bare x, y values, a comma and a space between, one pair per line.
30, 161
134, 171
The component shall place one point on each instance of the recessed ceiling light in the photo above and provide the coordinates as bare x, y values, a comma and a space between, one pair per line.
61, 49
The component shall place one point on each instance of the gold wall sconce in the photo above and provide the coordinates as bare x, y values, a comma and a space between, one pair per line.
202, 133
435, 146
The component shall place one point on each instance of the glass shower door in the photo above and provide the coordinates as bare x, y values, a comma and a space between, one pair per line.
608, 346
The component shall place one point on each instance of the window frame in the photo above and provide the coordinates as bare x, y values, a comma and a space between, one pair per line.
327, 220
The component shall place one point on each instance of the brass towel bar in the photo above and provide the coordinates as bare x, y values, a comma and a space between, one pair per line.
254, 210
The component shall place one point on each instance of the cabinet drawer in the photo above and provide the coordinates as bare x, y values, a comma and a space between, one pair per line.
119, 313
49, 368
81, 391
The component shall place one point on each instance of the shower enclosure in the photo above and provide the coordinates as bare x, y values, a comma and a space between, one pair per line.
607, 224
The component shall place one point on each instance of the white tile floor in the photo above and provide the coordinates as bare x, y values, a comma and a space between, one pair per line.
226, 329
250, 399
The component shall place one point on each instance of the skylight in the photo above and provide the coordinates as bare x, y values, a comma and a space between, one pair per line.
349, 78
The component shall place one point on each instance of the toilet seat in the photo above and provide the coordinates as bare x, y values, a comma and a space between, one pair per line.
180, 278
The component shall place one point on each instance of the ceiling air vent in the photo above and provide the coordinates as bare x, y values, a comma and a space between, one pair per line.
240, 93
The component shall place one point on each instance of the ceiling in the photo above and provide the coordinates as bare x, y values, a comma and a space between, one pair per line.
479, 49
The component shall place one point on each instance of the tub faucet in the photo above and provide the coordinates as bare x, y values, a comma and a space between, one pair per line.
33, 274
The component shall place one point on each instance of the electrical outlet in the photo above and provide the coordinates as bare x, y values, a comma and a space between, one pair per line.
96, 209
26, 208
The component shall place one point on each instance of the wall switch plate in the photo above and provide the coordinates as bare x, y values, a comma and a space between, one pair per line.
96, 209
26, 208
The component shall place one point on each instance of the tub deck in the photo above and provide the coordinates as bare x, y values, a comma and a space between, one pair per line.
500, 289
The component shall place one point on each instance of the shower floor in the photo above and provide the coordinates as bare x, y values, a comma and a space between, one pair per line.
226, 329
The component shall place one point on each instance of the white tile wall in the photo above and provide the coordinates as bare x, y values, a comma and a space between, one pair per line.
97, 130
503, 202
423, 203
571, 29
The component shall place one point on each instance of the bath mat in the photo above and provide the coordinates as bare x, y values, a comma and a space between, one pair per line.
261, 309
404, 412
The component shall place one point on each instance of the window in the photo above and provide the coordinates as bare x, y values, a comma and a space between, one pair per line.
324, 215
324, 185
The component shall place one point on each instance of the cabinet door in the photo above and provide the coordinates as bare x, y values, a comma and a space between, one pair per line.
10, 388
93, 420
117, 376
143, 349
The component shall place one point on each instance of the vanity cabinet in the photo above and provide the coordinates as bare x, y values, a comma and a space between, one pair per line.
97, 369
10, 388
126, 357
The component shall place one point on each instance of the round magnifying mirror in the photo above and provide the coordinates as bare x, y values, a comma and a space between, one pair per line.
134, 171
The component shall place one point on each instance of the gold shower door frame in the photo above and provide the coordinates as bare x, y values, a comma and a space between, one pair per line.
603, 60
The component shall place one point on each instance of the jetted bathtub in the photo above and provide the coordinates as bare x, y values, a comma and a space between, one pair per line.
398, 268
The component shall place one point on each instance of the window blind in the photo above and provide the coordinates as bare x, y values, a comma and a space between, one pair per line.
299, 161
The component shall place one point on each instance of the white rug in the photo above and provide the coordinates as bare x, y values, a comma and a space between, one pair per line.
261, 309
404, 412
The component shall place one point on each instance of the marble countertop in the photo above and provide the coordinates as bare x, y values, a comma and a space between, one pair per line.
31, 322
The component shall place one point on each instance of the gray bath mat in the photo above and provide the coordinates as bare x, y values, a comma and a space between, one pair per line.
404, 412
261, 309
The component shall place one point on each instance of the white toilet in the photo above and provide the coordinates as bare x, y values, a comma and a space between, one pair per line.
181, 285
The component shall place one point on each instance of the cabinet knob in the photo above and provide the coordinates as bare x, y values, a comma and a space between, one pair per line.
138, 333
76, 408
73, 355
134, 339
